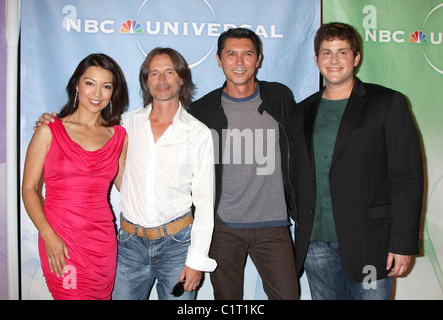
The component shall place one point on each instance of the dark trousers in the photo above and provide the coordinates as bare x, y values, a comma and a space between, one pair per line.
271, 250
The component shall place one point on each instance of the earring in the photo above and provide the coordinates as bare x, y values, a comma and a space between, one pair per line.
110, 106
75, 99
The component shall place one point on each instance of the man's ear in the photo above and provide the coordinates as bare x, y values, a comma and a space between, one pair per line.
257, 65
357, 59
218, 60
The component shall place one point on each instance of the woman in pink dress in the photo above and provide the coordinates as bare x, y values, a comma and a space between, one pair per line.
80, 154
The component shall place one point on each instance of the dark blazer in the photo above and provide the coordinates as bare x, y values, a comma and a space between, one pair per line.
376, 179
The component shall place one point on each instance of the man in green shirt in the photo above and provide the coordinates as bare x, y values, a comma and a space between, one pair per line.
359, 178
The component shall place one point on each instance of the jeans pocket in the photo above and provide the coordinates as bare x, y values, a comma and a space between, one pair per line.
184, 236
123, 236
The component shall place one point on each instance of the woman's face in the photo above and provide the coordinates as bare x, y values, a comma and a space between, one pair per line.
95, 89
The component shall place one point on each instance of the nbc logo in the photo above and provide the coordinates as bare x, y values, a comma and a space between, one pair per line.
418, 37
131, 26
429, 38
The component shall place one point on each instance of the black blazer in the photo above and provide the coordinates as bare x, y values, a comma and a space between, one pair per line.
376, 179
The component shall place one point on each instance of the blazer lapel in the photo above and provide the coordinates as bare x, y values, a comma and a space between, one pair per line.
353, 110
309, 115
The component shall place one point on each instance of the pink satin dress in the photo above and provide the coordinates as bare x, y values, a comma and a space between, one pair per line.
76, 205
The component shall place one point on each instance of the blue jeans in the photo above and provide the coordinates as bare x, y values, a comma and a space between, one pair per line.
327, 280
140, 261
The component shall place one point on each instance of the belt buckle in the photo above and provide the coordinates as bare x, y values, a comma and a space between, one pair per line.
159, 232
144, 233
160, 229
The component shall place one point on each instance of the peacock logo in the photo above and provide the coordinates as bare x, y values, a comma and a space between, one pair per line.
418, 37
131, 26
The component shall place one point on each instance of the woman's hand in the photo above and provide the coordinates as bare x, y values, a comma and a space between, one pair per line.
56, 252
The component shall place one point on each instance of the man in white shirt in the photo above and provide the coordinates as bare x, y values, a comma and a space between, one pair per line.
169, 167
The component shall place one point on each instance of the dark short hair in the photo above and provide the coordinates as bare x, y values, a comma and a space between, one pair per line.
119, 97
239, 33
337, 31
180, 66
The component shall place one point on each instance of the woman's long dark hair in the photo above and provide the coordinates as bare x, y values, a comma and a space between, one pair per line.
119, 97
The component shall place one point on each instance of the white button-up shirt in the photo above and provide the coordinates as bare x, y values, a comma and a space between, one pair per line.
163, 179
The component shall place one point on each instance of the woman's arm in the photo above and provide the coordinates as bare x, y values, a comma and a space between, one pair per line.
56, 249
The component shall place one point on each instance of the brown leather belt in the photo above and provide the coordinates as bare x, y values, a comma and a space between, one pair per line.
157, 232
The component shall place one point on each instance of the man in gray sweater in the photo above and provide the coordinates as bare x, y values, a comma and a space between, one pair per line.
254, 193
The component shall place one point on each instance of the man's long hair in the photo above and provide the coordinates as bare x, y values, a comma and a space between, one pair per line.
180, 66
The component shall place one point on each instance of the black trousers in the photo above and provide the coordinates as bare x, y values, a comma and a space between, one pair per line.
272, 252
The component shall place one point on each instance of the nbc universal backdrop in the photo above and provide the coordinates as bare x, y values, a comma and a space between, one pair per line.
57, 34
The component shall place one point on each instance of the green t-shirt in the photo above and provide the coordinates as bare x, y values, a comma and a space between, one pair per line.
327, 122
